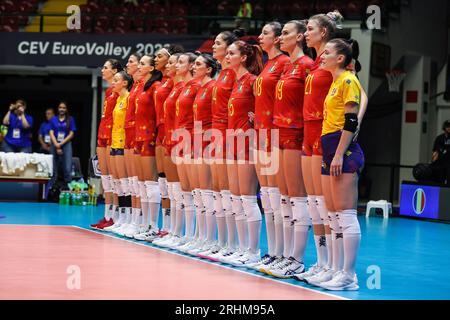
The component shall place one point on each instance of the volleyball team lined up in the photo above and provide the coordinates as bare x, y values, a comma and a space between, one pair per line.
309, 113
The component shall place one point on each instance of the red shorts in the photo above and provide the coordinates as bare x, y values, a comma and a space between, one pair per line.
103, 143
145, 148
130, 135
311, 143
160, 135
264, 140
290, 138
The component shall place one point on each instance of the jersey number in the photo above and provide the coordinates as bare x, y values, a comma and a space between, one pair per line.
308, 84
258, 86
280, 89
231, 107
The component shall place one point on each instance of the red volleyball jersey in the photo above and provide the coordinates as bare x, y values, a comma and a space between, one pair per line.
202, 104
146, 114
130, 117
241, 102
264, 90
317, 85
106, 122
288, 108
161, 93
184, 114
169, 111
220, 96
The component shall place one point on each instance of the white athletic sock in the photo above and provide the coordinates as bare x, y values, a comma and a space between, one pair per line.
329, 238
189, 210
154, 202
275, 203
115, 213
220, 219
269, 217
302, 225
230, 219
173, 215
352, 239
166, 219
319, 239
288, 226
254, 222
154, 214
241, 221
180, 221
208, 203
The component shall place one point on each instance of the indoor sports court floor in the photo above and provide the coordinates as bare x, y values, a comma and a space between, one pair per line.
40, 241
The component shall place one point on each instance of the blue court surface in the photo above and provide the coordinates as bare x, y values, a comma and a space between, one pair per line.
399, 258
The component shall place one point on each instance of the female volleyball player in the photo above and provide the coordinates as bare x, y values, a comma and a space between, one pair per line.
110, 68
288, 119
226, 226
184, 123
343, 159
173, 181
120, 85
321, 28
160, 94
130, 184
264, 90
246, 62
205, 68
144, 147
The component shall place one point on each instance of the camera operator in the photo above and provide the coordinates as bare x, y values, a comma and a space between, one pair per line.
18, 138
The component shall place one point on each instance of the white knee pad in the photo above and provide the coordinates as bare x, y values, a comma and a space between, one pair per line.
334, 223
275, 198
286, 210
226, 201
188, 199
125, 184
153, 192
106, 184
322, 208
313, 210
178, 195
300, 211
111, 182
142, 191
217, 205
251, 208
207, 200
170, 191
131, 187
118, 188
265, 200
137, 190
236, 207
349, 222
162, 182
198, 201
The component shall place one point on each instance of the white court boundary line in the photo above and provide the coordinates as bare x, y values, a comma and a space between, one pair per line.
210, 263
182, 255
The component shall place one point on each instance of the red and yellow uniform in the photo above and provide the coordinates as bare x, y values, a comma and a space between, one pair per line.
118, 128
203, 113
162, 91
106, 122
317, 85
242, 101
145, 142
169, 116
130, 118
288, 108
264, 91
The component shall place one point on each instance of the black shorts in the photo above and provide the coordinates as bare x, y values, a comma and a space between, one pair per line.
116, 152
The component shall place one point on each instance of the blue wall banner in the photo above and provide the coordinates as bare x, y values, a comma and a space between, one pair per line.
79, 49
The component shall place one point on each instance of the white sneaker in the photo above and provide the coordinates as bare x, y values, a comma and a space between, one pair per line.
196, 247
312, 271
227, 253
209, 250
191, 243
113, 227
152, 235
264, 261
238, 254
323, 276
177, 242
132, 231
264, 268
120, 229
248, 260
280, 263
162, 242
216, 256
341, 281
289, 269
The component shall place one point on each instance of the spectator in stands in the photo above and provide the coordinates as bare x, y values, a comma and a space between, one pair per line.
18, 138
44, 132
441, 154
62, 131
244, 13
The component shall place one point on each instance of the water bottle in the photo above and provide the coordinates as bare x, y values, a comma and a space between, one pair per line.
62, 198
67, 198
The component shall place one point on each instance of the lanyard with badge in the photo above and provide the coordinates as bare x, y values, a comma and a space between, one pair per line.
16, 131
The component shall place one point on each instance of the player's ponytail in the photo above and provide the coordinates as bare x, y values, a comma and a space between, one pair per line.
254, 62
156, 75
349, 49
331, 22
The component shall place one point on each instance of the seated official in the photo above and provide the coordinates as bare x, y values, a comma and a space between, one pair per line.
18, 138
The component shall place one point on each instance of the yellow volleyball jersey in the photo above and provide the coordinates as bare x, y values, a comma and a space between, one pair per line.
345, 89
118, 129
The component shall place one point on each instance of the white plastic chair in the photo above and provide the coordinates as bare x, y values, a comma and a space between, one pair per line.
381, 204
